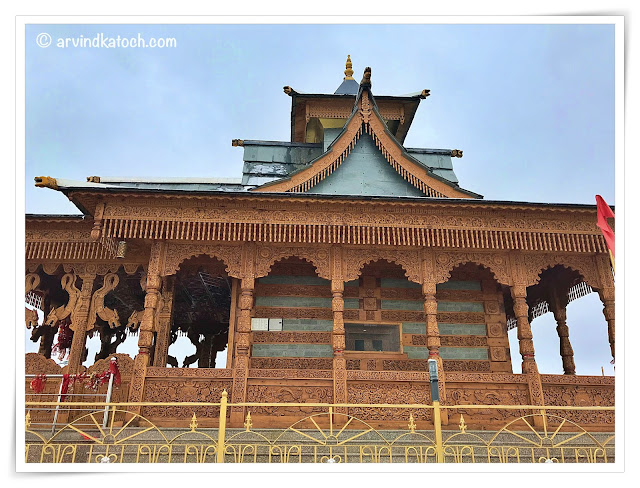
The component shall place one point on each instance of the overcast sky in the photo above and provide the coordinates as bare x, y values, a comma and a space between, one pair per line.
531, 106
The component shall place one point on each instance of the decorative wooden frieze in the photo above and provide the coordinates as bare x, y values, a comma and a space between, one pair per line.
314, 233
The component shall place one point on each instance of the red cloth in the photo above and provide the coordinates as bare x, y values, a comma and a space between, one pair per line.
113, 369
604, 213
65, 387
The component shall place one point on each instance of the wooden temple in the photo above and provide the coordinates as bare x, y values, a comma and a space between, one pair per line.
331, 272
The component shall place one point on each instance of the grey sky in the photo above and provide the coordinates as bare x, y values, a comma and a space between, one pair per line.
531, 106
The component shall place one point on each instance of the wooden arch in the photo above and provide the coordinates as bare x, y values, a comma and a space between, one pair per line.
496, 263
176, 254
356, 259
535, 264
267, 256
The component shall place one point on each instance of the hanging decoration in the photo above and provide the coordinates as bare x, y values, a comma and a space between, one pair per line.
65, 338
38, 383
94, 380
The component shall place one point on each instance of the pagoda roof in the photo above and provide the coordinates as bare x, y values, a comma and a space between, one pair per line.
366, 118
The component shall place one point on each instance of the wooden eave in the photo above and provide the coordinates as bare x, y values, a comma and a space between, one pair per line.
89, 198
366, 118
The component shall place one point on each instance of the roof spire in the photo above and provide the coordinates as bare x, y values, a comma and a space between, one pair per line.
348, 72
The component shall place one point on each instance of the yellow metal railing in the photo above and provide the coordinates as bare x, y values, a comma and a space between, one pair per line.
327, 436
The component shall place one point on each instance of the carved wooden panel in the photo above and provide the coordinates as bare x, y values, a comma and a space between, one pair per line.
487, 394
125, 364
291, 373
183, 390
288, 394
464, 365
292, 337
391, 393
37, 364
582, 395
292, 363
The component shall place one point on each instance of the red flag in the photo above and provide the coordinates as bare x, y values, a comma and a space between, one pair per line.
604, 213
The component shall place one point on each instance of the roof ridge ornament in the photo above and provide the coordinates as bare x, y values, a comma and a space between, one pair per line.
46, 182
348, 72
366, 78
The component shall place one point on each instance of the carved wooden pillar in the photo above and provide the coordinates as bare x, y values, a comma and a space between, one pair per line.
165, 314
337, 337
147, 325
607, 294
243, 331
558, 300
432, 331
525, 337
79, 319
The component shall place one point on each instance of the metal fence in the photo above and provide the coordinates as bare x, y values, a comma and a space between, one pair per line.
114, 433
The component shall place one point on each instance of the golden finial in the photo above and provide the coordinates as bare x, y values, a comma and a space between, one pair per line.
194, 422
27, 421
412, 424
462, 425
348, 73
248, 424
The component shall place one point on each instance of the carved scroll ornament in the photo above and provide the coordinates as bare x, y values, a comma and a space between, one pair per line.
97, 307
62, 312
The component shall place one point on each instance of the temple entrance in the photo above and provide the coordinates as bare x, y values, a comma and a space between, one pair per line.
201, 310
